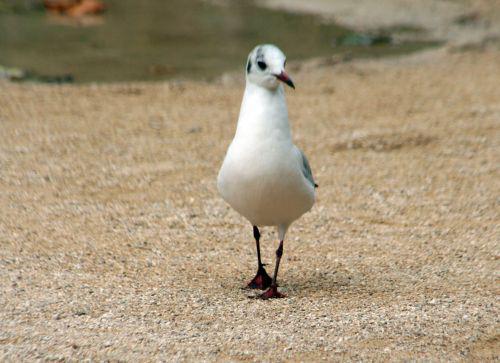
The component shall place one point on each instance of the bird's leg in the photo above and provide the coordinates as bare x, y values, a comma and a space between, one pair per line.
272, 292
261, 280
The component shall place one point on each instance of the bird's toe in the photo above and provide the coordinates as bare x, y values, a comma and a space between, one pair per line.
261, 280
272, 293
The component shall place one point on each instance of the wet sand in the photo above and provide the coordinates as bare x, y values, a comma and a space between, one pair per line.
457, 23
116, 246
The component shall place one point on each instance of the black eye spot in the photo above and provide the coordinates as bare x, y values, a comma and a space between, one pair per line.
249, 66
262, 65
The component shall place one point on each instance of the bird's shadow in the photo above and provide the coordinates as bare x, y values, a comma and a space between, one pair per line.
316, 282
334, 283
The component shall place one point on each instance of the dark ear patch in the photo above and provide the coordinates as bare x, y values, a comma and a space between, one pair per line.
249, 66
258, 53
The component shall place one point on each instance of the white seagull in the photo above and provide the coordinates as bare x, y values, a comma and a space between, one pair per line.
264, 176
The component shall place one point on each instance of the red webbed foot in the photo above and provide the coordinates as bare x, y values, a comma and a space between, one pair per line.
261, 280
272, 293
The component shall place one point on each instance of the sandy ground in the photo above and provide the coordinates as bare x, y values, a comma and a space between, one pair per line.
116, 246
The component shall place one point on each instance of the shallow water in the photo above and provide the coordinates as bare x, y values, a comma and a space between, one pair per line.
158, 39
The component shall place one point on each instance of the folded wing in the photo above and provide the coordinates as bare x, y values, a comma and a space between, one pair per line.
306, 168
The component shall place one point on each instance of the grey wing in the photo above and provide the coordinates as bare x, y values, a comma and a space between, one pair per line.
306, 169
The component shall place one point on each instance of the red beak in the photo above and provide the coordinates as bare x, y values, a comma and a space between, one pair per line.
285, 79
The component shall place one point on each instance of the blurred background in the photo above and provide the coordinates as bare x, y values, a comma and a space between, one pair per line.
131, 40
116, 246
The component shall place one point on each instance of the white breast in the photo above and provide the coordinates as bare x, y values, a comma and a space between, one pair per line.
261, 176
265, 184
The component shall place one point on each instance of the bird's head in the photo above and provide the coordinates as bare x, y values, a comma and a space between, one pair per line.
266, 67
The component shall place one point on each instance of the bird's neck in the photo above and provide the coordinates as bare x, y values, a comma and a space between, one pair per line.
263, 112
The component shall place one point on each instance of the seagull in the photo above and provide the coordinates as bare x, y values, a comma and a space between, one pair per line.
264, 176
